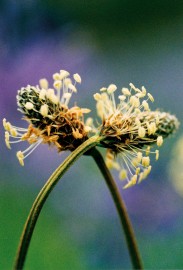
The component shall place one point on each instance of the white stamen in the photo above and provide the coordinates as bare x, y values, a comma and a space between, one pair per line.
126, 91
72, 87
150, 97
159, 140
77, 78
145, 161
29, 106
97, 96
43, 83
111, 88
44, 110
141, 132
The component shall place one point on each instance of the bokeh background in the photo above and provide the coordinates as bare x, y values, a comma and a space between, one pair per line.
106, 42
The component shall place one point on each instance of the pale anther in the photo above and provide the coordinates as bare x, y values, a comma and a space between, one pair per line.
77, 78
122, 97
57, 85
29, 106
134, 101
44, 110
43, 83
42, 94
159, 140
145, 161
141, 132
150, 97
103, 89
157, 154
97, 96
56, 76
126, 91
111, 88
72, 87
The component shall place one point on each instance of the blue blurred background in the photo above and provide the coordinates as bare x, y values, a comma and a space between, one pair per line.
106, 42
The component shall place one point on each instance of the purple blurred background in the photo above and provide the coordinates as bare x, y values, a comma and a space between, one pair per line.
105, 42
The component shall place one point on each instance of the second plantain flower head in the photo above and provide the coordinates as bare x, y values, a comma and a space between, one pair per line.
129, 130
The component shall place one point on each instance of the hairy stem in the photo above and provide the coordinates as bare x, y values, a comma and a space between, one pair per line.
121, 208
42, 196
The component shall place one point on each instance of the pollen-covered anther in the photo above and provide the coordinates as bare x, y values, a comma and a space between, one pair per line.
141, 132
157, 154
56, 76
132, 182
54, 99
126, 91
44, 110
97, 96
150, 97
153, 127
145, 105
146, 161
63, 74
50, 92
29, 106
111, 88
134, 101
6, 125
122, 97
137, 171
139, 157
144, 90
148, 150
140, 95
13, 132
135, 162
57, 85
159, 141
43, 83
77, 78
7, 139
42, 94
103, 89
72, 87
20, 157
143, 175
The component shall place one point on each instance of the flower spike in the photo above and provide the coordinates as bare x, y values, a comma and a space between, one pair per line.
50, 120
129, 130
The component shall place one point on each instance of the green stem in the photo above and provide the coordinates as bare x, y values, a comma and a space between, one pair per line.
121, 208
42, 196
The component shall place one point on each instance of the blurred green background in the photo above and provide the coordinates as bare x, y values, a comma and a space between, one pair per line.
105, 42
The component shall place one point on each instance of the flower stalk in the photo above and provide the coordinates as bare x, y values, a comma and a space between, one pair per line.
43, 195
121, 208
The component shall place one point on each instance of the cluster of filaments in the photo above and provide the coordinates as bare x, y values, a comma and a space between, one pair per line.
50, 119
129, 129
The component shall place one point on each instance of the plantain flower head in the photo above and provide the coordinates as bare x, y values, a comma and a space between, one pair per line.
130, 130
50, 119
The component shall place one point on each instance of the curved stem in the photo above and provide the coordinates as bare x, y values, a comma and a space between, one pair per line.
42, 196
121, 208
